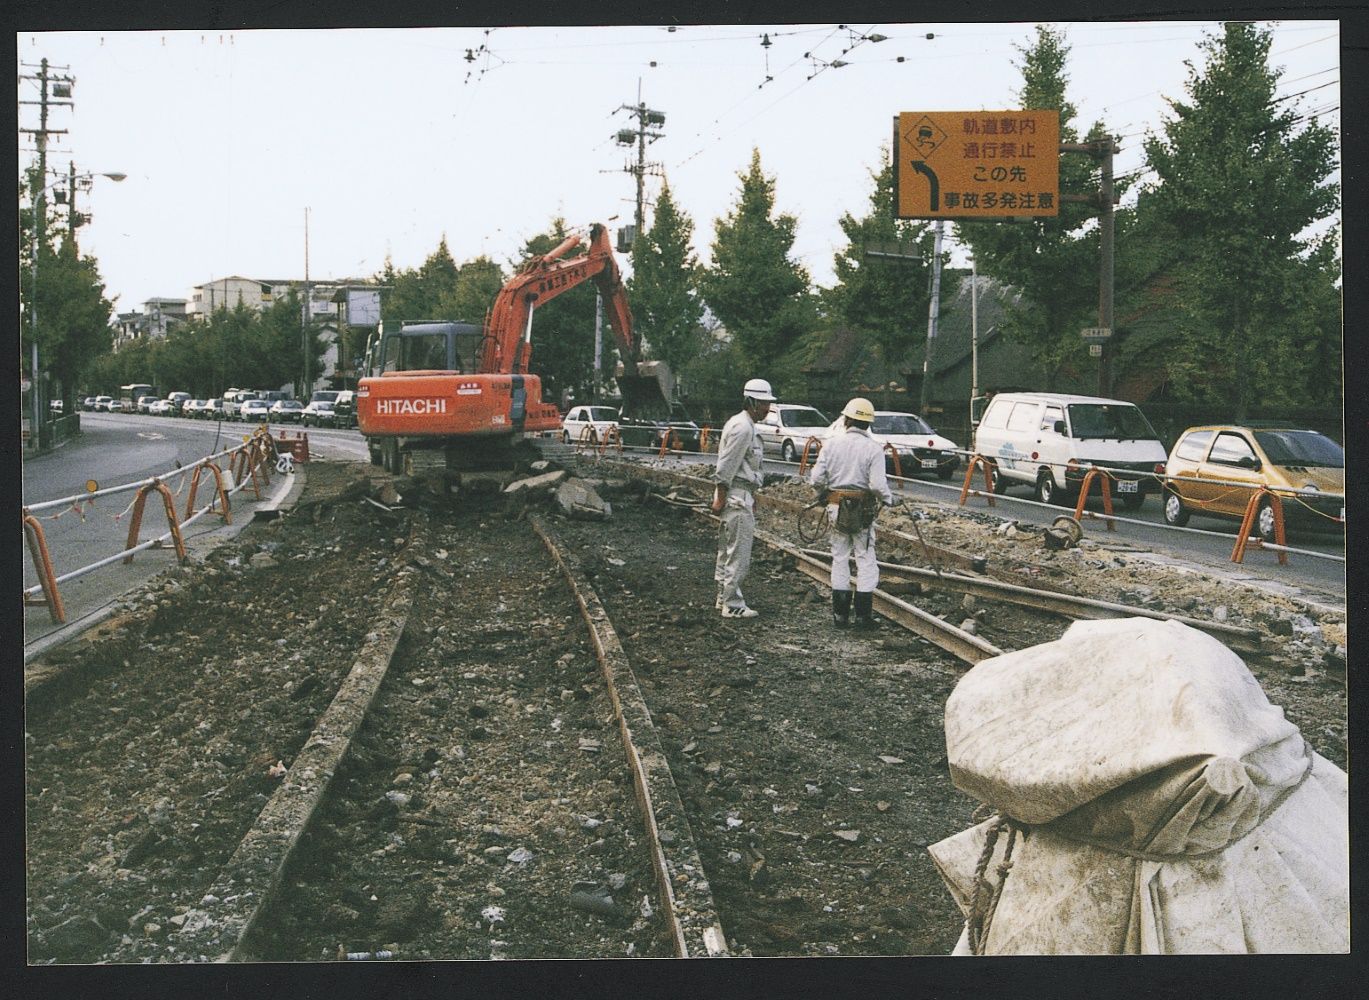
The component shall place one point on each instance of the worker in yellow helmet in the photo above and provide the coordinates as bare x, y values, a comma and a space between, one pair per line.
849, 477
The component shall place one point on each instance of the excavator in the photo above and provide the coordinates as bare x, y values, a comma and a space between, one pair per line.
457, 398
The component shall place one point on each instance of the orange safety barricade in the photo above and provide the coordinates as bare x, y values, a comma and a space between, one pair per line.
42, 562
611, 437
816, 445
669, 441
586, 440
704, 436
978, 461
1104, 479
1252, 511
898, 469
298, 446
222, 498
137, 520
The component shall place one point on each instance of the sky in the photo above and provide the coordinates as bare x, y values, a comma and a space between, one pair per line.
393, 139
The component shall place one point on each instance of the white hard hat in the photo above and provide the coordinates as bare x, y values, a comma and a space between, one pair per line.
859, 408
758, 389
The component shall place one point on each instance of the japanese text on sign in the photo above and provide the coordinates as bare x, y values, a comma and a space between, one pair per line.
968, 164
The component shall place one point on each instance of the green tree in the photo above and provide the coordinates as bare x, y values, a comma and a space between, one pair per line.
418, 293
473, 292
886, 298
663, 289
1052, 259
1241, 179
72, 310
755, 289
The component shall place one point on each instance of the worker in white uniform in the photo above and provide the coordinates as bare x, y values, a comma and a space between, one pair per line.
736, 478
851, 465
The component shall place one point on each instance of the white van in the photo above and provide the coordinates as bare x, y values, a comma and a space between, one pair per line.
1048, 440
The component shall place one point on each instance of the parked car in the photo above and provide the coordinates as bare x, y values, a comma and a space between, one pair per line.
787, 428
233, 400
318, 414
101, 404
1048, 440
1206, 461
144, 404
114, 406
287, 411
55, 406
191, 408
597, 418
649, 432
212, 410
919, 447
345, 409
254, 411
88, 403
177, 401
162, 408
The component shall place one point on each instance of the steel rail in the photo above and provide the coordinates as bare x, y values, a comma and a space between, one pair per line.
1236, 636
687, 898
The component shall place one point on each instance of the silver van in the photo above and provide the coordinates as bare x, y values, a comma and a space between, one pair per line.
1048, 441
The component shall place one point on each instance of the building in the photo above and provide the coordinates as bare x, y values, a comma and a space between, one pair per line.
157, 317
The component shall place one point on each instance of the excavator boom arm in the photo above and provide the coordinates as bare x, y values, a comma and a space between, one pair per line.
508, 341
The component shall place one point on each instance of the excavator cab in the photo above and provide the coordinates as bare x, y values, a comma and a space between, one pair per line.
435, 346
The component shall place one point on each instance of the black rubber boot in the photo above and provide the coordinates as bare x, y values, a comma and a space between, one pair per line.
865, 618
841, 608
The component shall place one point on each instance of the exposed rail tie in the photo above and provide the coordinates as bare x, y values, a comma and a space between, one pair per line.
687, 898
221, 924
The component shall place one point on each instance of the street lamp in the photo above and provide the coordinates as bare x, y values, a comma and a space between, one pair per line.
38, 227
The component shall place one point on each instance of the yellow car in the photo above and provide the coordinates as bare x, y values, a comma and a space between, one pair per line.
1215, 470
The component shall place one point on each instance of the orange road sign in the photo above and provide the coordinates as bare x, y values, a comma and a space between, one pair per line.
976, 164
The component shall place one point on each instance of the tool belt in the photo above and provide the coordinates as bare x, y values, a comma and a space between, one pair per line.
856, 510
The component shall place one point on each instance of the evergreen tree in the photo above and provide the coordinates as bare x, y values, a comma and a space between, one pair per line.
1051, 259
755, 290
881, 297
663, 289
418, 293
1239, 185
473, 292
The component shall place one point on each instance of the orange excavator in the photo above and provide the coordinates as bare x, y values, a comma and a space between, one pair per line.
458, 398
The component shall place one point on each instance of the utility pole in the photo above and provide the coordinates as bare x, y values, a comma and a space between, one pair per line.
61, 88
639, 136
974, 335
933, 314
598, 344
308, 311
1104, 199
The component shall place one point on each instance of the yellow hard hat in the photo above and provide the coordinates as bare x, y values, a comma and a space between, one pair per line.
860, 409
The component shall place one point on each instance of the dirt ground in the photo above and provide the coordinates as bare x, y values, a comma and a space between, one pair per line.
811, 762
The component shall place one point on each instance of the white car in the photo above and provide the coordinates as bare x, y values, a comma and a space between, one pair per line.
162, 408
101, 404
254, 411
920, 448
597, 418
787, 428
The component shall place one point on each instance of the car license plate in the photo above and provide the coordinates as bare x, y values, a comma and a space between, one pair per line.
929, 463
1126, 486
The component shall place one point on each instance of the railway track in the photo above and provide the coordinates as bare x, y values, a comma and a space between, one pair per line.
519, 744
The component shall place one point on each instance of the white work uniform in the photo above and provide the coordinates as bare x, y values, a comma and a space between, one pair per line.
739, 471
852, 460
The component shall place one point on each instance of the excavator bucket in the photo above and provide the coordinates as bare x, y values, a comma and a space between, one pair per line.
647, 393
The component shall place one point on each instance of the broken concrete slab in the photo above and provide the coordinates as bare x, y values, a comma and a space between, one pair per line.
533, 483
578, 499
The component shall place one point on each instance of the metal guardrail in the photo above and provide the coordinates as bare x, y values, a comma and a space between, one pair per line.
249, 464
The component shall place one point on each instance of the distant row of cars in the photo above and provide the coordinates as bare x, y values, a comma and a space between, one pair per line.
326, 409
784, 432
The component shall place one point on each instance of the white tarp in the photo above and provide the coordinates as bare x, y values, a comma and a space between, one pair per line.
1165, 806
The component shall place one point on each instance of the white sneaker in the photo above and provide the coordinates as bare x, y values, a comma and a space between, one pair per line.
742, 612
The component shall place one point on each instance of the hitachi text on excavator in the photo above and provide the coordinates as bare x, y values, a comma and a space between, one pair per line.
458, 398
